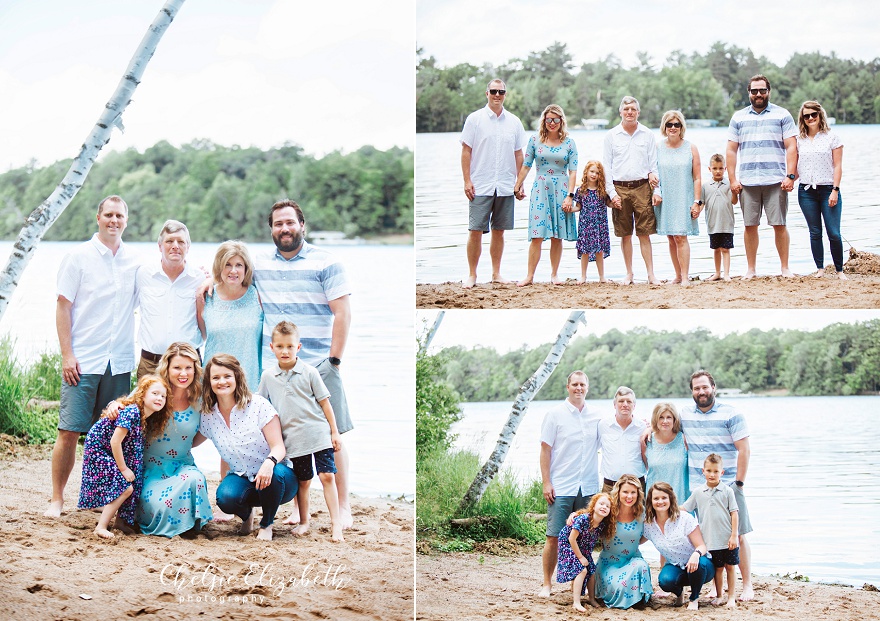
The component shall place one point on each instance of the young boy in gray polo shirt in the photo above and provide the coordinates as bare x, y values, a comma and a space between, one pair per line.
719, 523
308, 426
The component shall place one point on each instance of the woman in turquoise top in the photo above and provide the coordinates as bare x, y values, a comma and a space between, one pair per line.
174, 500
232, 318
551, 206
677, 201
665, 454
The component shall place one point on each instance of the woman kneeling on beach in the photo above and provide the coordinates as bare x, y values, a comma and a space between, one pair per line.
246, 431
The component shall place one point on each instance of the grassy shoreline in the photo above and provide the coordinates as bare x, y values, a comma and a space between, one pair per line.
29, 395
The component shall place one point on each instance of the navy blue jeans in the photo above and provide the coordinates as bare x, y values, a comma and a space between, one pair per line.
238, 496
673, 579
814, 204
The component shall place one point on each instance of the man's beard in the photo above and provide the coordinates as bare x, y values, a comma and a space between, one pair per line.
295, 242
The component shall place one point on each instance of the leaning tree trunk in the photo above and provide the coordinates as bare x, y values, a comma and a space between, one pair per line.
430, 336
526, 394
47, 213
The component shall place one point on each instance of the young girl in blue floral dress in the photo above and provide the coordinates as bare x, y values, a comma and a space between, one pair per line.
576, 544
593, 243
113, 466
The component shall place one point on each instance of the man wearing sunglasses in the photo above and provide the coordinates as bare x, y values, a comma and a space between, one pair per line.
491, 154
764, 138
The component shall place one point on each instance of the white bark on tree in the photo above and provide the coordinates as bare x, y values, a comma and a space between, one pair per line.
39, 221
518, 411
430, 336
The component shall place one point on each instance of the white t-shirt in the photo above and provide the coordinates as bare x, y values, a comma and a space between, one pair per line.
621, 448
168, 308
494, 140
573, 437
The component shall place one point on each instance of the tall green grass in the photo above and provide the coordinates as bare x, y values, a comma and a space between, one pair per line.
18, 385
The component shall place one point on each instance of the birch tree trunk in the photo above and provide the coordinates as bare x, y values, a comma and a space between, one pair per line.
518, 411
39, 221
430, 336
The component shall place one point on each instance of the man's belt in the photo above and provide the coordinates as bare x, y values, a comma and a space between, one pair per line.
148, 355
631, 184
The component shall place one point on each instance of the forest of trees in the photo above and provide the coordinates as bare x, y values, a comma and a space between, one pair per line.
224, 192
706, 86
841, 359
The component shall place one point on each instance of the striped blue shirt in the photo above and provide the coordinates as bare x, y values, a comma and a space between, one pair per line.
761, 139
714, 431
300, 290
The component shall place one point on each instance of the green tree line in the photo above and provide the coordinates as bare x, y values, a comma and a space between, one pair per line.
706, 86
223, 192
840, 359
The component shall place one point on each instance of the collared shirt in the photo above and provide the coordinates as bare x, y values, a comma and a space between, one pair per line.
714, 505
573, 437
672, 542
714, 431
815, 161
101, 287
761, 137
295, 394
621, 448
719, 206
494, 140
242, 444
168, 308
628, 157
300, 290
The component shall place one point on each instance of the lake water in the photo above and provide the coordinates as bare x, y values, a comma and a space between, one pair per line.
812, 484
382, 444
441, 215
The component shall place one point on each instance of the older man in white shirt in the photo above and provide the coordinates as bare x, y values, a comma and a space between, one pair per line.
94, 317
620, 436
630, 161
492, 141
569, 465
167, 296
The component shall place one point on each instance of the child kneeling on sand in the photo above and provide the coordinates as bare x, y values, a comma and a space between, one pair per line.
576, 544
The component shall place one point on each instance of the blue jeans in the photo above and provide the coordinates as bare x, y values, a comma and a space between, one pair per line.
814, 204
673, 579
238, 496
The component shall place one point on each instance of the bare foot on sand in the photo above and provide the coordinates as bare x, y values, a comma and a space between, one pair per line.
54, 509
628, 280
819, 273
301, 529
498, 279
653, 280
469, 282
583, 281
594, 603
265, 534
556, 280
293, 518
748, 594
731, 602
579, 608
787, 273
525, 282
104, 533
345, 517
727, 278
749, 275
336, 532
605, 280
544, 592
842, 276
680, 599
220, 516
713, 278
717, 601
125, 527
247, 526
676, 280
694, 605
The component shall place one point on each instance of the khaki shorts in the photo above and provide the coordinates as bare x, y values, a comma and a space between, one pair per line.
771, 198
635, 208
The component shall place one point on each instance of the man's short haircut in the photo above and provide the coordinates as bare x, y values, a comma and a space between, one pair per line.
174, 226
573, 373
757, 77
629, 99
492, 81
287, 203
713, 458
115, 198
228, 250
716, 158
287, 328
702, 373
624, 390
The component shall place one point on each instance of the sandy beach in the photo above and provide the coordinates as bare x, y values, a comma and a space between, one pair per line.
479, 585
57, 569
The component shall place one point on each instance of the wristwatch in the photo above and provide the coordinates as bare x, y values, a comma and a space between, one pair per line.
790, 176
699, 202
835, 188
739, 483
274, 461
571, 195
335, 361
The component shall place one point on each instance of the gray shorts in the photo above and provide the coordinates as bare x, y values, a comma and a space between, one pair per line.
745, 524
771, 198
333, 382
494, 210
558, 512
81, 405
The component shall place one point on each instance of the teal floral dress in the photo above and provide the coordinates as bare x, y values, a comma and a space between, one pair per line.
623, 577
175, 493
546, 218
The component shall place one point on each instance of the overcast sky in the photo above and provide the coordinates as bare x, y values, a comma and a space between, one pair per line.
495, 31
506, 330
246, 72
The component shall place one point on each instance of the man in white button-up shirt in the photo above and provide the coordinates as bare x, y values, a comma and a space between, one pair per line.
492, 141
95, 321
167, 297
621, 441
569, 465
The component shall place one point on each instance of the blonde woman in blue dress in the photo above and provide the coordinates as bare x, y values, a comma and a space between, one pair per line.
551, 206
678, 198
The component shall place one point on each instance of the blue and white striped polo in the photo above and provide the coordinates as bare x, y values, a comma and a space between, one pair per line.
714, 431
761, 136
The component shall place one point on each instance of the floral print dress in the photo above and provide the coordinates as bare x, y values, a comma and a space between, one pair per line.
593, 235
623, 577
569, 565
546, 218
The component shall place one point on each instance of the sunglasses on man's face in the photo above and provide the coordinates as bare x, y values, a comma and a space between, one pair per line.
759, 91
671, 124
497, 91
810, 115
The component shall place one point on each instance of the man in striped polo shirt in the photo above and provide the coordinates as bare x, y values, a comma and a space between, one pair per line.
765, 137
308, 286
712, 427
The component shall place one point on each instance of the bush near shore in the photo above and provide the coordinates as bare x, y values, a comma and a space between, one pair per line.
28, 395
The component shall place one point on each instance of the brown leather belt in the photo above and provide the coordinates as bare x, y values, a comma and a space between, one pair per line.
631, 184
148, 355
